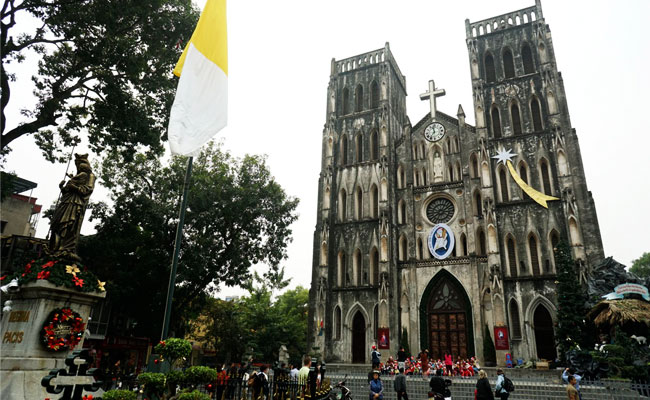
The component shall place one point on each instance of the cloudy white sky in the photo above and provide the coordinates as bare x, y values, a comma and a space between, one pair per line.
279, 65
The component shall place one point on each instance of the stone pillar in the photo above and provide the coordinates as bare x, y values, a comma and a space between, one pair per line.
25, 359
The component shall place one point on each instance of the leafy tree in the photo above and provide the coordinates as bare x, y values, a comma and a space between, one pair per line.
104, 67
220, 325
571, 329
237, 216
641, 266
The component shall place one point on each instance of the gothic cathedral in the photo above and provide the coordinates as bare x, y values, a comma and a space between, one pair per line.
440, 232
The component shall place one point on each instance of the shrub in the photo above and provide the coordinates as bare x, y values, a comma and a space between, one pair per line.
199, 375
120, 395
174, 349
154, 382
194, 395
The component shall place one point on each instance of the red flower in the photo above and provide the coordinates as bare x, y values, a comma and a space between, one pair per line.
48, 264
2, 278
43, 275
28, 267
77, 281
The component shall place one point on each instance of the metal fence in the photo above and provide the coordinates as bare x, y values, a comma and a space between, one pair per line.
418, 389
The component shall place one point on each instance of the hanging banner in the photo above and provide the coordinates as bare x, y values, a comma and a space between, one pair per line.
501, 338
383, 338
441, 241
628, 288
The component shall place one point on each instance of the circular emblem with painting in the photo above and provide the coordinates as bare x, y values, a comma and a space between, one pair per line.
441, 241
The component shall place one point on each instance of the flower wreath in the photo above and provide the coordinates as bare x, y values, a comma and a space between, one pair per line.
63, 329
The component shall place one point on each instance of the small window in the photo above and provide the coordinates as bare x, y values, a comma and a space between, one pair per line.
516, 119
358, 97
374, 266
508, 64
523, 174
344, 150
474, 162
527, 58
546, 181
337, 323
374, 94
374, 146
342, 205
346, 101
478, 210
490, 74
358, 147
512, 256
536, 114
496, 122
503, 182
515, 324
481, 245
374, 201
534, 259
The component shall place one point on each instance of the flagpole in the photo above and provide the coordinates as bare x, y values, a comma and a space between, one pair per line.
177, 247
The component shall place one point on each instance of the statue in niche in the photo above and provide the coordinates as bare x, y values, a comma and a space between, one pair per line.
495, 273
69, 213
437, 168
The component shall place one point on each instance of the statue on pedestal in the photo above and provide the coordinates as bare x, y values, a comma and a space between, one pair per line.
69, 213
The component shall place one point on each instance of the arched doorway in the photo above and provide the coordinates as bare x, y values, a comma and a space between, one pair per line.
445, 313
358, 338
544, 335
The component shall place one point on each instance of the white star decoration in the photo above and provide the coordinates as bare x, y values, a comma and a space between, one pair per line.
503, 156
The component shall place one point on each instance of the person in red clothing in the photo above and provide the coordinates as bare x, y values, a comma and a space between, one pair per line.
448, 364
424, 361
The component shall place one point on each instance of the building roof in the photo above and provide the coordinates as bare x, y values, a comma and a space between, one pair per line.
22, 185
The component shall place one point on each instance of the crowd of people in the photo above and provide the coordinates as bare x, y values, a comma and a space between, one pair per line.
424, 365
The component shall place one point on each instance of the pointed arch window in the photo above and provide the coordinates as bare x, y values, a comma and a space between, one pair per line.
403, 248
496, 122
337, 323
374, 201
343, 197
515, 324
401, 177
358, 97
527, 58
536, 113
374, 266
516, 119
478, 209
503, 183
474, 162
481, 247
546, 180
358, 204
490, 74
508, 64
524, 177
323, 254
374, 94
340, 269
512, 256
451, 172
401, 213
534, 254
374, 146
419, 249
346, 101
358, 147
463, 244
344, 150
424, 176
356, 267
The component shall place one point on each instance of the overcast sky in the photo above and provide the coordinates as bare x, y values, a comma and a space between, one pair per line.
279, 66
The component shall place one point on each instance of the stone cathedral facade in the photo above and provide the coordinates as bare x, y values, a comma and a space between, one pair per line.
385, 183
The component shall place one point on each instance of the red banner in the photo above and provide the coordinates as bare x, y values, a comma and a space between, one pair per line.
501, 338
383, 338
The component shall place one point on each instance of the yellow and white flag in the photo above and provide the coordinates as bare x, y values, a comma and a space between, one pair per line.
200, 108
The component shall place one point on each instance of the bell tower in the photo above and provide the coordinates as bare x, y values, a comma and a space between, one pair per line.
353, 260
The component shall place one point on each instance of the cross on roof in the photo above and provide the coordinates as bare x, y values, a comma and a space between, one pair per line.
431, 96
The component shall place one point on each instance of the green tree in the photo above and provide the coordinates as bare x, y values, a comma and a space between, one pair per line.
220, 325
571, 330
104, 67
641, 266
237, 216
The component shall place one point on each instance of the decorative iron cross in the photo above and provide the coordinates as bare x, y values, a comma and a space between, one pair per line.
431, 96
75, 380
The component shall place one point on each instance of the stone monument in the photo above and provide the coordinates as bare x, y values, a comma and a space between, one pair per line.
47, 304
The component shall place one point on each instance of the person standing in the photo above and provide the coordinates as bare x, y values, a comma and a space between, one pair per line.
424, 361
293, 373
375, 356
376, 387
571, 391
448, 364
399, 384
499, 389
572, 372
437, 384
303, 376
401, 358
483, 388
264, 381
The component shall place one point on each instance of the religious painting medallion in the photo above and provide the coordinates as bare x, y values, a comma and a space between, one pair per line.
63, 329
384, 338
501, 338
441, 241
434, 132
